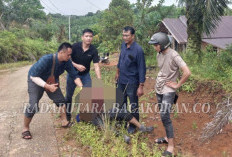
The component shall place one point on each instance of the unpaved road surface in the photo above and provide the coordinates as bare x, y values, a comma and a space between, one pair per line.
13, 95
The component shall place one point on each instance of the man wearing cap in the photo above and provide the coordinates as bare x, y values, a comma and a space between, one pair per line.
131, 71
169, 63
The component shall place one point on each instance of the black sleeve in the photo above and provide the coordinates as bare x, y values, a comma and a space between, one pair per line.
95, 56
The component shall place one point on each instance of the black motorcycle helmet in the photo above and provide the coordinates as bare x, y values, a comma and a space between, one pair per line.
160, 39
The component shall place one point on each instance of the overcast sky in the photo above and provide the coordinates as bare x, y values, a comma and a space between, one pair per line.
82, 7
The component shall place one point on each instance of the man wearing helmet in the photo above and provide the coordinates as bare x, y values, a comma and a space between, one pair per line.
169, 63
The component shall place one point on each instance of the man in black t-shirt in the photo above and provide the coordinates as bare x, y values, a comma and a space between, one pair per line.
83, 53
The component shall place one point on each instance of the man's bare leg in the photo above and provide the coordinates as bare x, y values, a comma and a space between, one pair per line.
64, 121
27, 122
135, 122
170, 145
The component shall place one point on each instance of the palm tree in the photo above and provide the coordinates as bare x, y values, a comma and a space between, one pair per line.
202, 16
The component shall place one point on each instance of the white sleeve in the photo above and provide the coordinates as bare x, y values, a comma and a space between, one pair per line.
38, 81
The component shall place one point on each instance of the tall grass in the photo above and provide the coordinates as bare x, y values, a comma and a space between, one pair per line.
102, 143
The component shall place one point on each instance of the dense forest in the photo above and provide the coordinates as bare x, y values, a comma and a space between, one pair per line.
26, 32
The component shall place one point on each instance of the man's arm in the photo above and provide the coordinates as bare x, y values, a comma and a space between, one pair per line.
73, 73
117, 74
142, 72
97, 70
78, 82
37, 80
79, 67
185, 76
118, 65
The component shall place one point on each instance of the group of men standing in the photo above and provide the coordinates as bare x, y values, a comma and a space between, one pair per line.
130, 77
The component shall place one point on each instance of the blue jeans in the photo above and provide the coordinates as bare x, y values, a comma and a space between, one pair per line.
130, 90
165, 102
70, 88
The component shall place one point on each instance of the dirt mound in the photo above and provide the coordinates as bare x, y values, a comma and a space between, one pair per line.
194, 111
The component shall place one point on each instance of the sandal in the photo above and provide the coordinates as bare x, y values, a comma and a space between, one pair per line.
167, 154
26, 134
68, 125
161, 141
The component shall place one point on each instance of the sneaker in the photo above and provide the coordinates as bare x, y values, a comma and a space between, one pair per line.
127, 139
144, 129
131, 129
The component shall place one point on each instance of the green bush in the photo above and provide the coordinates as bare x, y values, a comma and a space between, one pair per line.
15, 46
214, 66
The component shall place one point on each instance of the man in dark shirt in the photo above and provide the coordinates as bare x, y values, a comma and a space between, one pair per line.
83, 54
131, 71
37, 76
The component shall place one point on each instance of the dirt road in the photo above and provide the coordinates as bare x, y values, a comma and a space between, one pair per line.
13, 95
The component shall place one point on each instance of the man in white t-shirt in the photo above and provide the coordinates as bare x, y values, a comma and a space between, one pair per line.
169, 63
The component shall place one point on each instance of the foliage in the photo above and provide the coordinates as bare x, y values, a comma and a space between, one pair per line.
214, 66
147, 20
202, 17
105, 143
44, 29
114, 20
221, 118
151, 59
16, 46
21, 11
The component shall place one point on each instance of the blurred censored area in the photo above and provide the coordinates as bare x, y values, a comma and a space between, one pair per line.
97, 100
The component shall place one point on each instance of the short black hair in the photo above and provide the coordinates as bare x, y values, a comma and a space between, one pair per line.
129, 28
64, 45
87, 31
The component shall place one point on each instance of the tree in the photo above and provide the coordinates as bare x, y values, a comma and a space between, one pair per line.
147, 20
61, 36
202, 17
21, 11
114, 19
2, 7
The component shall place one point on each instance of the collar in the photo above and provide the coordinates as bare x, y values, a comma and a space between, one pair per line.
90, 47
132, 45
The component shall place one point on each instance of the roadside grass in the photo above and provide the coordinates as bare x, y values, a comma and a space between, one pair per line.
7, 66
107, 142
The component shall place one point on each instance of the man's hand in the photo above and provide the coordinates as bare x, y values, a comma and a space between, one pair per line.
80, 68
116, 75
173, 85
51, 87
78, 82
140, 91
97, 70
185, 76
